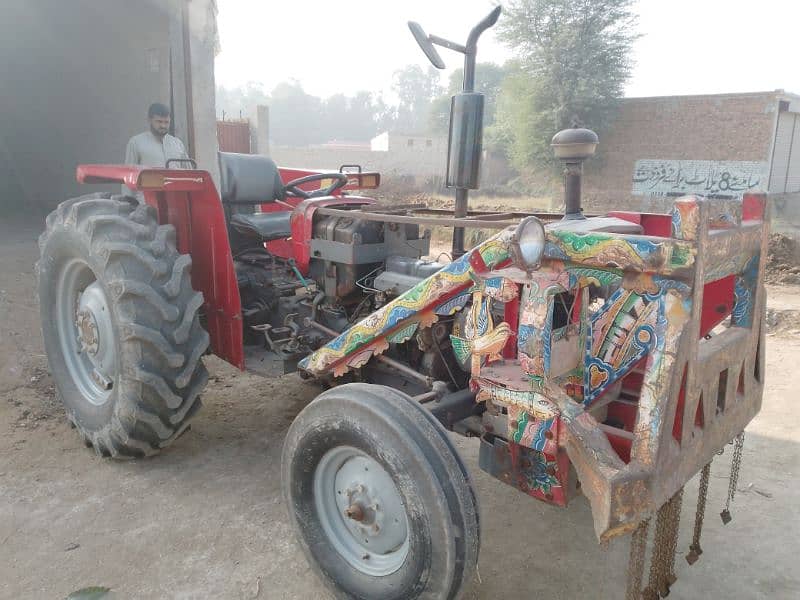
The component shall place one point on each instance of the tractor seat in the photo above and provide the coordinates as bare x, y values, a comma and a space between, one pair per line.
247, 180
264, 226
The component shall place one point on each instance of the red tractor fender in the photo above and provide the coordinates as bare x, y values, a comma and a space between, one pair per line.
188, 200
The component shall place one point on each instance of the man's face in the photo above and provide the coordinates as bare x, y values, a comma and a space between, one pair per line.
159, 125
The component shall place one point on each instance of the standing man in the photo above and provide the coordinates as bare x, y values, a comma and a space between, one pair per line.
155, 147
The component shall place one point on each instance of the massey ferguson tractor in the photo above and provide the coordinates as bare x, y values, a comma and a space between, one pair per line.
610, 357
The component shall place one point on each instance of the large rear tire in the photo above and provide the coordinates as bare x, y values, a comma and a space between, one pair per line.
379, 498
120, 324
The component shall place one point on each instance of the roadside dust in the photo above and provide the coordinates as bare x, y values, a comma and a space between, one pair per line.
783, 259
786, 321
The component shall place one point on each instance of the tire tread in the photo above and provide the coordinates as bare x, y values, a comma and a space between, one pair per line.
145, 276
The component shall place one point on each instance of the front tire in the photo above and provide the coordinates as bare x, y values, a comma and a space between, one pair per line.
120, 324
379, 498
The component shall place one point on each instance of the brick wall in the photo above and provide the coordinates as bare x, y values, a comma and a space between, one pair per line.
731, 127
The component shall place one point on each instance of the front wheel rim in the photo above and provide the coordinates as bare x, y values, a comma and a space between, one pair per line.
361, 511
85, 331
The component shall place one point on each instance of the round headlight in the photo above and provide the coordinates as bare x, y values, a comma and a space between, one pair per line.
527, 245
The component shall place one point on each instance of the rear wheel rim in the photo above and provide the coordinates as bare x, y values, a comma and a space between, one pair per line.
85, 331
361, 511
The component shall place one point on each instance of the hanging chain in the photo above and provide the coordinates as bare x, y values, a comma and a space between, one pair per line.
665, 541
736, 463
694, 549
673, 525
636, 561
657, 558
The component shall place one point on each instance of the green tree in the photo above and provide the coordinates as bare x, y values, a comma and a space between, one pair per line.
415, 88
574, 59
488, 80
439, 115
298, 118
294, 115
233, 103
350, 118
385, 115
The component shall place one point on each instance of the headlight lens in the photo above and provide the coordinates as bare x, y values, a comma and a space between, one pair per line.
527, 245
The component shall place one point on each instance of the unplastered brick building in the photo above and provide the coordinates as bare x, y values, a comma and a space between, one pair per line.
720, 144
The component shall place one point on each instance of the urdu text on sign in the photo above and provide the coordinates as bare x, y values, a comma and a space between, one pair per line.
706, 177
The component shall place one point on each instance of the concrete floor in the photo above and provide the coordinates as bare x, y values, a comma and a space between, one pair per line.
205, 519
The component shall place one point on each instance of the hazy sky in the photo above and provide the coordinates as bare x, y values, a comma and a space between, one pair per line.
688, 46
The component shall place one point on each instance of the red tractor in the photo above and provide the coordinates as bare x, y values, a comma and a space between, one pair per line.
609, 356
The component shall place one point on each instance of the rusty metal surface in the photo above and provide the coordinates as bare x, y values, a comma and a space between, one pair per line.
424, 218
234, 136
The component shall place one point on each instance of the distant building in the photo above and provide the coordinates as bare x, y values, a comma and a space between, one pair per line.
342, 145
720, 144
389, 141
417, 159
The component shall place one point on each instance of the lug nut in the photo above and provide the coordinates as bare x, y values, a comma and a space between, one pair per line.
355, 512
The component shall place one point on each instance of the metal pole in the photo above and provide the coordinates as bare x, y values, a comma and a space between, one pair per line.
381, 358
469, 71
572, 190
462, 194
462, 203
406, 370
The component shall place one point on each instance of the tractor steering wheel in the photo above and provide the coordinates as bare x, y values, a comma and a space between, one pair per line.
339, 181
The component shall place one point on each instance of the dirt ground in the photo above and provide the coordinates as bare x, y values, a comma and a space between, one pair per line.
205, 519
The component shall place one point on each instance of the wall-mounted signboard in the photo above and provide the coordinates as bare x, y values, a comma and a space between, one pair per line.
726, 179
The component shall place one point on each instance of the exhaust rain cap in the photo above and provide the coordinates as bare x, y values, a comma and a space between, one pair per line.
574, 145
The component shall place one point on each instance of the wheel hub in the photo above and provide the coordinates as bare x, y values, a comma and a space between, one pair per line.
86, 331
95, 332
362, 511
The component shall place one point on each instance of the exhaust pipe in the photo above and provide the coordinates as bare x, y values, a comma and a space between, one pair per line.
465, 140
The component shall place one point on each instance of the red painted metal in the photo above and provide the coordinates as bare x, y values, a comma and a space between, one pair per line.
302, 224
677, 423
622, 446
753, 206
287, 248
189, 201
125, 174
511, 316
718, 301
519, 465
655, 224
288, 174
